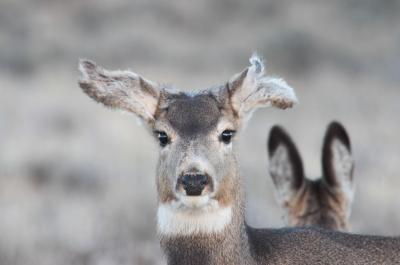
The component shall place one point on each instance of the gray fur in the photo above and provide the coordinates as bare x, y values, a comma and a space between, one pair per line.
193, 115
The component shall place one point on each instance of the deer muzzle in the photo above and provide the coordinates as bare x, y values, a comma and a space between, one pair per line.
194, 183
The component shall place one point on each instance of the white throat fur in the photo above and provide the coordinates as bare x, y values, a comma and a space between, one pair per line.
173, 219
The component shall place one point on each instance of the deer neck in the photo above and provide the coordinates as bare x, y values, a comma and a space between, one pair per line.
226, 243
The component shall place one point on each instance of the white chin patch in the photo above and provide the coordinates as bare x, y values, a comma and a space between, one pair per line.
192, 215
195, 201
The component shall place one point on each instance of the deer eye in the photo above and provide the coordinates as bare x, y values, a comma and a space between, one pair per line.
162, 138
227, 135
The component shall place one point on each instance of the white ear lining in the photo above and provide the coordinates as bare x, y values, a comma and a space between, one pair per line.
343, 163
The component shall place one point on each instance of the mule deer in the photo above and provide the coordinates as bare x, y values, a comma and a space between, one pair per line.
325, 202
200, 215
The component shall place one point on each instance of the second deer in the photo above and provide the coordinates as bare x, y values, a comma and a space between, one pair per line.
325, 202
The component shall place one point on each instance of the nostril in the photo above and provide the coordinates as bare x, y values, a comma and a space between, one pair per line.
203, 179
187, 180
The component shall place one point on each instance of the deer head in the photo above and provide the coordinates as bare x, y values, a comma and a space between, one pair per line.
196, 173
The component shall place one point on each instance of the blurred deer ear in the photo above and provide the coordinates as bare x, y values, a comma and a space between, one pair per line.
123, 90
252, 89
285, 165
337, 160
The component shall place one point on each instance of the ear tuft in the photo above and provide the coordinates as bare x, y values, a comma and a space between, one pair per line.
257, 64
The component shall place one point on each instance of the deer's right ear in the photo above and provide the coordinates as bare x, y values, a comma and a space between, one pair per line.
285, 165
337, 160
252, 89
123, 90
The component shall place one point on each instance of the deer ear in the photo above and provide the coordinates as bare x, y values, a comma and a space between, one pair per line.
119, 89
252, 88
337, 160
285, 165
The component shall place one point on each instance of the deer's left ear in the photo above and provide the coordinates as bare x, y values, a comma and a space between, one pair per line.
120, 89
337, 159
252, 89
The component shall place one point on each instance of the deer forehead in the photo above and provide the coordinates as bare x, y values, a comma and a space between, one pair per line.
192, 115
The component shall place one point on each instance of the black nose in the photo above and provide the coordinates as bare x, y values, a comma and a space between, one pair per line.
194, 184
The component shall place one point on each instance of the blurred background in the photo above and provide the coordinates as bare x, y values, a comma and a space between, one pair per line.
77, 181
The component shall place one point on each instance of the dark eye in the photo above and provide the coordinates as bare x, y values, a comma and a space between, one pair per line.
227, 135
162, 137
